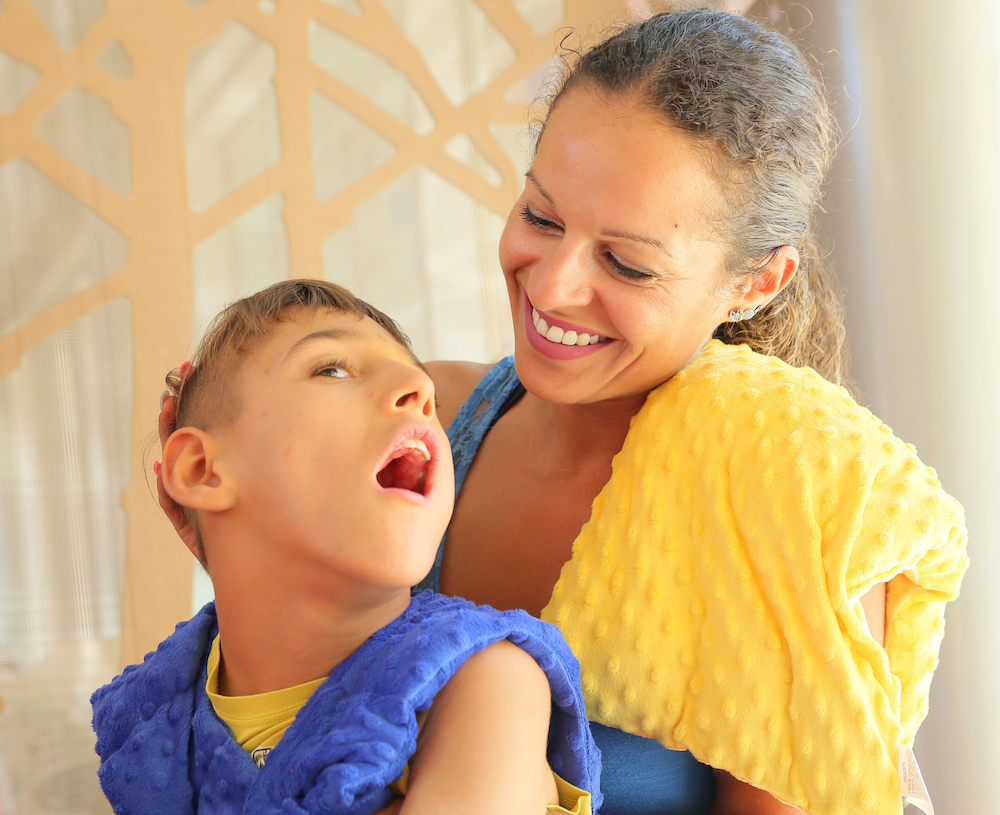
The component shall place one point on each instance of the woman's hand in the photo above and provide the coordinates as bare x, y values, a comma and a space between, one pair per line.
173, 510
735, 797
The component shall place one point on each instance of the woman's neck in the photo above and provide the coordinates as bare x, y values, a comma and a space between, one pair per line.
577, 433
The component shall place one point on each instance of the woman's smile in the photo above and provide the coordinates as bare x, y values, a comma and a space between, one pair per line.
559, 339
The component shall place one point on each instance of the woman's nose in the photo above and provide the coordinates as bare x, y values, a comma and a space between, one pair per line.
560, 279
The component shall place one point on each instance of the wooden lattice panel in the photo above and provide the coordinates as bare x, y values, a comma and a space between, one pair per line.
121, 68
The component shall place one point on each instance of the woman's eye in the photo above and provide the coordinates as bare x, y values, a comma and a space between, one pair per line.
536, 220
626, 271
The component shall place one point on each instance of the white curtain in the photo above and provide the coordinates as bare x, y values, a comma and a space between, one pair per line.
914, 216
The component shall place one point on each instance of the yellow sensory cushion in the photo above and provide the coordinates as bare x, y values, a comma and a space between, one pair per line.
713, 598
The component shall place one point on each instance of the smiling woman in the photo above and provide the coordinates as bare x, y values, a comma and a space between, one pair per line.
749, 565
611, 236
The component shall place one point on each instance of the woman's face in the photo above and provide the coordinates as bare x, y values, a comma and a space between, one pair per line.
609, 240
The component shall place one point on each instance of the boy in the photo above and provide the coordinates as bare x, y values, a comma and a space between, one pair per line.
317, 482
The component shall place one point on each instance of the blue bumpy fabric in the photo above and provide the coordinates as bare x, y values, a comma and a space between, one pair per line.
641, 777
164, 750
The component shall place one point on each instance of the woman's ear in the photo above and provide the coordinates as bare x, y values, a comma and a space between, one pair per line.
780, 271
760, 289
193, 474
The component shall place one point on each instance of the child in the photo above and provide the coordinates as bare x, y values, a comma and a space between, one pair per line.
318, 482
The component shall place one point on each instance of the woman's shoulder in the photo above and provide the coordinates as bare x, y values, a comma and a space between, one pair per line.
738, 381
454, 381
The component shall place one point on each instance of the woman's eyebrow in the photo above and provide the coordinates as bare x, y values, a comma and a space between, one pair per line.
542, 191
631, 236
612, 233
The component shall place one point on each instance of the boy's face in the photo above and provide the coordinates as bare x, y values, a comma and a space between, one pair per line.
338, 456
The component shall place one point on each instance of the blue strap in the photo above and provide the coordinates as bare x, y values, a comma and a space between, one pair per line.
466, 432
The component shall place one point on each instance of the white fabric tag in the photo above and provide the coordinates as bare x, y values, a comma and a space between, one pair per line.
912, 782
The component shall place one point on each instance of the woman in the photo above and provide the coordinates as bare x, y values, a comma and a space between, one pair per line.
669, 202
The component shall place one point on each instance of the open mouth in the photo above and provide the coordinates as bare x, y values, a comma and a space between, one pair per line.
410, 465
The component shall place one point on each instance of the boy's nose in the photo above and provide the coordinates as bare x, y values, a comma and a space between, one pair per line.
414, 392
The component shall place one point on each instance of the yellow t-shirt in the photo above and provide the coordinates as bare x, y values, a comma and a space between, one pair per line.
260, 720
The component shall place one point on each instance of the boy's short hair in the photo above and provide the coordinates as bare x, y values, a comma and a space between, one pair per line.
205, 398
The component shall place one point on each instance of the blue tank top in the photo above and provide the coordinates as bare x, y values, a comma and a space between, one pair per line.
639, 776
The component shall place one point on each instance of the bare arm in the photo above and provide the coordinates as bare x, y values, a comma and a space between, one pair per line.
487, 731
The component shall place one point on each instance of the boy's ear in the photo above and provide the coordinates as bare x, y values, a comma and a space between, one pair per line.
193, 474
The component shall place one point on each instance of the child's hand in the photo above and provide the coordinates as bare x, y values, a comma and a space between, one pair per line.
393, 808
173, 510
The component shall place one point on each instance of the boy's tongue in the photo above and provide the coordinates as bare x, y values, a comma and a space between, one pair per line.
408, 472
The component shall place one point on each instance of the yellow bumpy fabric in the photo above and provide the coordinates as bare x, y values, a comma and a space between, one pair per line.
713, 598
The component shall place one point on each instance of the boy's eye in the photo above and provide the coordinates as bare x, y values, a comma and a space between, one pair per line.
334, 370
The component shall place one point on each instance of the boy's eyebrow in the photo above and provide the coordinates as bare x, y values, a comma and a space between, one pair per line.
326, 334
340, 334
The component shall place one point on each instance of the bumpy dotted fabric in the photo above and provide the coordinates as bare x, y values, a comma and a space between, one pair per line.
713, 597
163, 749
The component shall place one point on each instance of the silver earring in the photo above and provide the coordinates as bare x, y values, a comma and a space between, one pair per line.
745, 288
744, 314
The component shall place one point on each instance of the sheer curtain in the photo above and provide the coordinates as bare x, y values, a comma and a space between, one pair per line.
914, 216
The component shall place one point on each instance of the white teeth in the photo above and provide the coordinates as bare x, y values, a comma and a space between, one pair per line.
554, 333
419, 446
